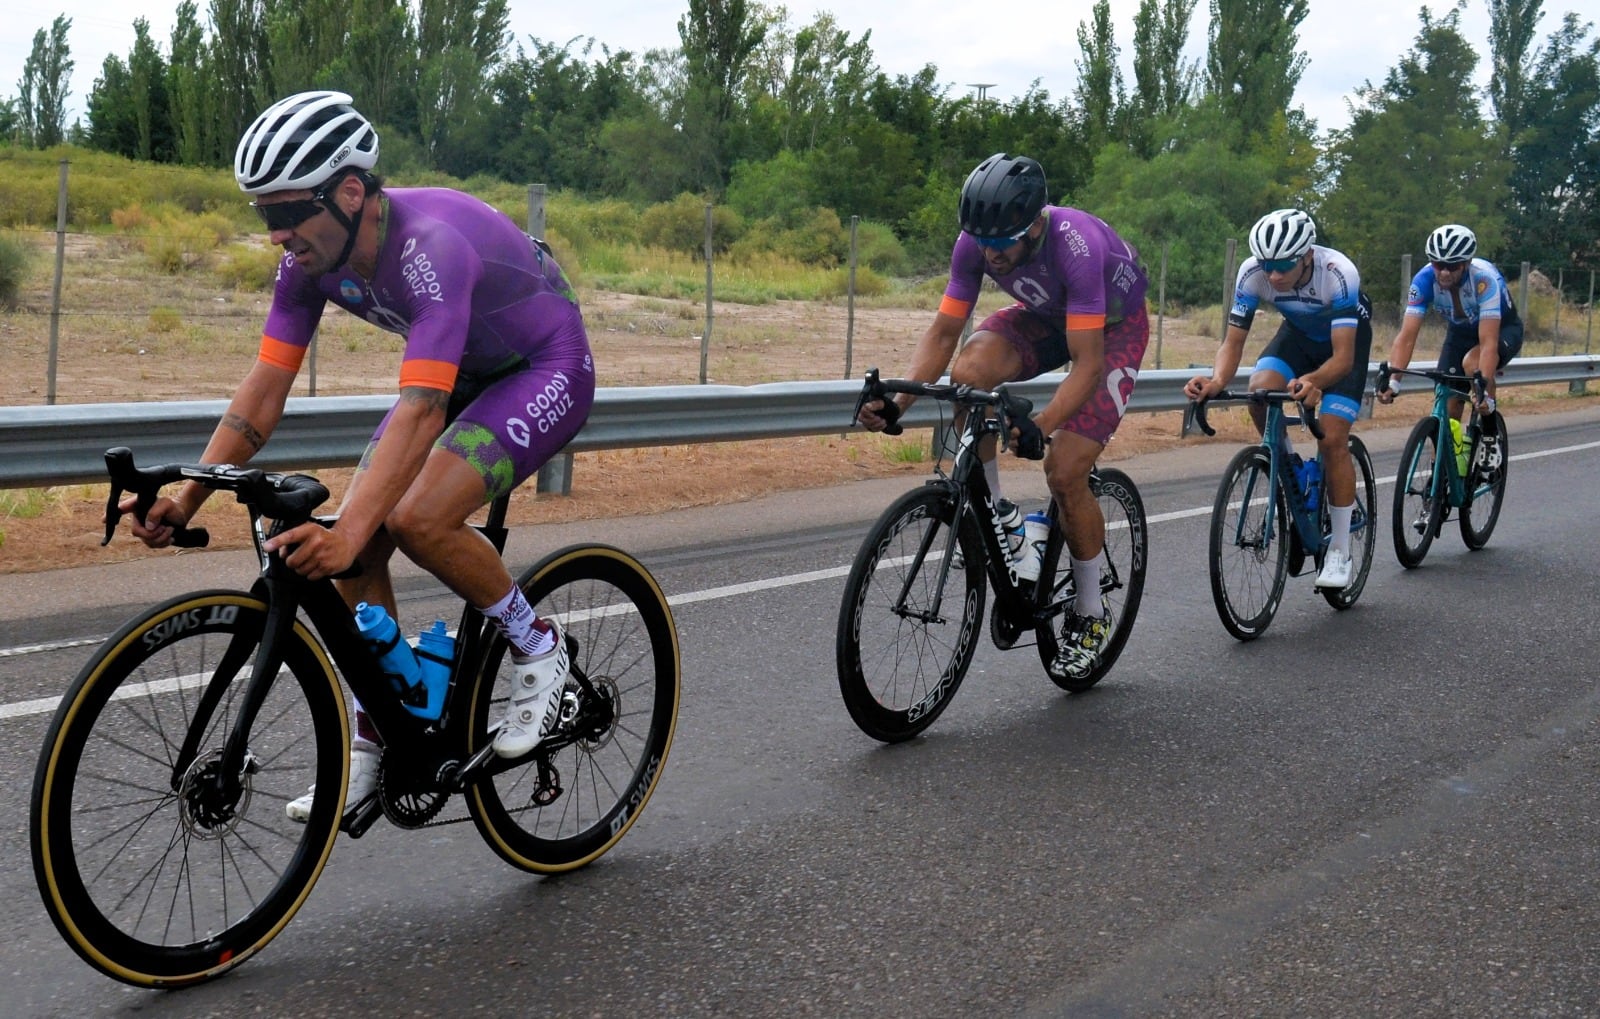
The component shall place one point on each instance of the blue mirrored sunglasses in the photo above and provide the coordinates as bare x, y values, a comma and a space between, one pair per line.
1001, 243
1278, 264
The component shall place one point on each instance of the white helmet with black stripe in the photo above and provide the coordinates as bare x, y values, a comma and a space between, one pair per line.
303, 142
1451, 243
1286, 233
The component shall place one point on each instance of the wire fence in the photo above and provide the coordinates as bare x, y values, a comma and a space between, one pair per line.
202, 289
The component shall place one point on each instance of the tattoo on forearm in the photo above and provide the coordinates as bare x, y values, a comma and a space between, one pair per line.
430, 399
245, 429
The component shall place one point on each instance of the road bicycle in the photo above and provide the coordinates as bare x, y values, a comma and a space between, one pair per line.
1270, 522
1430, 482
913, 603
159, 837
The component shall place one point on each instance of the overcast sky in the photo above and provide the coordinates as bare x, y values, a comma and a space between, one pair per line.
1347, 42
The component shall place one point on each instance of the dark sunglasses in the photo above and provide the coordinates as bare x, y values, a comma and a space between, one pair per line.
288, 215
1002, 243
1447, 266
1278, 264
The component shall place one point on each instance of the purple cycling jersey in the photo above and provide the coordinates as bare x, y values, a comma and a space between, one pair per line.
468, 290
1082, 277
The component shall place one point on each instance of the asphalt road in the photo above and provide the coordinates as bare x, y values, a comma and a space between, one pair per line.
1391, 811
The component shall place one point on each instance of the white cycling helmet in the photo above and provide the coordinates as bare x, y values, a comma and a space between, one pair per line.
302, 142
1286, 233
1451, 243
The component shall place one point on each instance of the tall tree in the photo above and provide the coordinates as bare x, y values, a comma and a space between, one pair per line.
46, 75
718, 39
1253, 62
1100, 94
113, 122
1417, 153
459, 42
147, 73
1511, 27
1555, 178
1163, 80
189, 110
239, 66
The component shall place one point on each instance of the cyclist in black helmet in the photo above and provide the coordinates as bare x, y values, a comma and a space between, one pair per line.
1080, 299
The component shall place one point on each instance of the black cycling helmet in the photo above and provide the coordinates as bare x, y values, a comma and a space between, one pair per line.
1002, 196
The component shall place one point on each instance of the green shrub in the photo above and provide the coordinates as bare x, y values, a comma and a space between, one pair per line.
680, 225
164, 319
868, 283
248, 266
818, 239
179, 242
878, 248
15, 256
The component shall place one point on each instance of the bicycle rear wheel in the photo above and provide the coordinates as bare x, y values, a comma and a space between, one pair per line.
1486, 481
1249, 562
149, 871
1363, 530
899, 661
1419, 495
607, 757
1121, 579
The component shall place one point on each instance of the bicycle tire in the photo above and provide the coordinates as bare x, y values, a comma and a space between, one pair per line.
621, 635
1486, 486
1248, 566
159, 886
1363, 528
897, 673
1127, 537
1419, 499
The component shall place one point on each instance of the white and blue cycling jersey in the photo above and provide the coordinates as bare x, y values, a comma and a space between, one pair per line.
1482, 294
1328, 298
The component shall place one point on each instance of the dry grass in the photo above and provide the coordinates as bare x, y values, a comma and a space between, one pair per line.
129, 332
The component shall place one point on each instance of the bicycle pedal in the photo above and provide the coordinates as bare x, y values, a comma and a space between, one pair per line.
357, 821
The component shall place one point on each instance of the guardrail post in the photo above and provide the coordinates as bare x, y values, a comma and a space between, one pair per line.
555, 477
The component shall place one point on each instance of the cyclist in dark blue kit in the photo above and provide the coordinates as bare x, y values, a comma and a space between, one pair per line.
1483, 330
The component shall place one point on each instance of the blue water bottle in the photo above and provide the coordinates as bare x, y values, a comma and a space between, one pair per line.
436, 652
1311, 482
395, 657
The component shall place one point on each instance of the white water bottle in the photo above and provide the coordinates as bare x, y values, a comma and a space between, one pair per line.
1035, 534
1011, 519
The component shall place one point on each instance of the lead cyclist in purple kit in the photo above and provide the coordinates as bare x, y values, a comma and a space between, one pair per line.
1080, 298
496, 378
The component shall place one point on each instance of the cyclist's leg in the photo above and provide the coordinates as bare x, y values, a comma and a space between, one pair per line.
1283, 358
1459, 356
1341, 405
1010, 345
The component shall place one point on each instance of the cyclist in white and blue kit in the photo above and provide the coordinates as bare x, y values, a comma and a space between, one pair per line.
1483, 330
1319, 353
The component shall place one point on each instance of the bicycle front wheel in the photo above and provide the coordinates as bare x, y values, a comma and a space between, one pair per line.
1420, 495
564, 808
907, 629
155, 868
1121, 577
1249, 558
1486, 481
1363, 533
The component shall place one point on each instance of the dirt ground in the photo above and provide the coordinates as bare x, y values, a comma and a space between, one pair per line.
129, 348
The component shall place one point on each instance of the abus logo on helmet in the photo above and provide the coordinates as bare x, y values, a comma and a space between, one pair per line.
339, 157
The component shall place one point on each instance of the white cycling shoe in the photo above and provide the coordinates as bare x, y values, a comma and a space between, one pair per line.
363, 783
1335, 570
535, 699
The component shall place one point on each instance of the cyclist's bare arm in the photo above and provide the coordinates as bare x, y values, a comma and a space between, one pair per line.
417, 421
1087, 350
1400, 351
253, 413
1488, 353
1228, 356
928, 362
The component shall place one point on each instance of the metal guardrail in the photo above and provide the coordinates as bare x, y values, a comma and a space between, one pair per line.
65, 444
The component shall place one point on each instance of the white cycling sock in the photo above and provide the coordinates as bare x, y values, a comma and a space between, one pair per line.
1086, 580
1339, 524
520, 626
